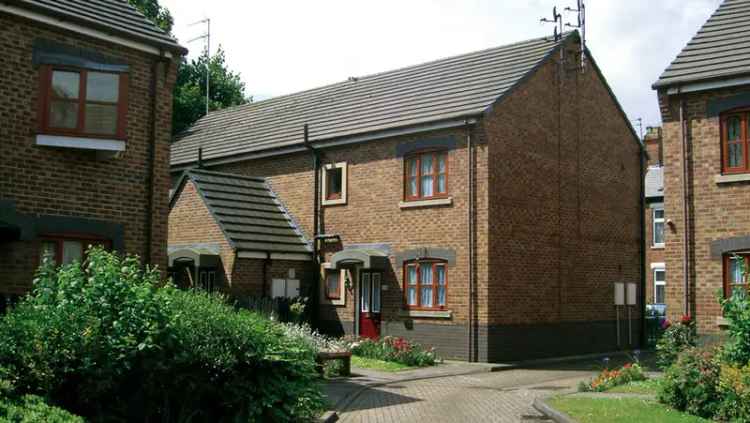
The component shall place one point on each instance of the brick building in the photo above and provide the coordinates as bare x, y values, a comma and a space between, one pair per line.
230, 233
484, 204
704, 96
86, 106
654, 223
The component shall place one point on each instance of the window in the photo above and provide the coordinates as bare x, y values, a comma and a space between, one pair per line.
735, 270
734, 143
334, 177
65, 250
83, 103
658, 217
425, 284
285, 288
660, 285
333, 285
334, 184
426, 176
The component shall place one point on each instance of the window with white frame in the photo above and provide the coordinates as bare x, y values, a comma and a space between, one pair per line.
334, 184
658, 229
660, 286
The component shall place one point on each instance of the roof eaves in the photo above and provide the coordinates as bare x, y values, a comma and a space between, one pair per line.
98, 26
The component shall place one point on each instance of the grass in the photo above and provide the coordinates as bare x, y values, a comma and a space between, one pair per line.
384, 366
625, 410
646, 387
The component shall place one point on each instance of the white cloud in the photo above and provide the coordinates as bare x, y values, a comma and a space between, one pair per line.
286, 46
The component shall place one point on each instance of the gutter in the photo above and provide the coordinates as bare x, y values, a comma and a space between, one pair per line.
685, 210
327, 143
643, 157
316, 221
470, 220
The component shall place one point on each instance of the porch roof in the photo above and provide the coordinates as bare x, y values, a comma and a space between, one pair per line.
368, 258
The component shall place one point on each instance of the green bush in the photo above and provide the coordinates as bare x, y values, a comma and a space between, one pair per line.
691, 384
737, 313
33, 409
675, 339
109, 342
734, 389
394, 349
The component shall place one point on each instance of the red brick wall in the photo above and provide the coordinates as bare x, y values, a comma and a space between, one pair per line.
68, 182
372, 213
717, 211
564, 201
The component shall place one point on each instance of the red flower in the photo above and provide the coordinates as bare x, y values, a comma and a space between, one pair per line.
686, 319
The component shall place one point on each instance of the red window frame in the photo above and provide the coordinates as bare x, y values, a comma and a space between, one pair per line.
417, 157
743, 141
331, 295
46, 96
59, 240
727, 282
328, 174
435, 285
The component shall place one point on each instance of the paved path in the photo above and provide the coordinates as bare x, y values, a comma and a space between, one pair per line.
505, 396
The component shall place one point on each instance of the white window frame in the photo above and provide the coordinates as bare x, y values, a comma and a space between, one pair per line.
654, 221
324, 192
660, 283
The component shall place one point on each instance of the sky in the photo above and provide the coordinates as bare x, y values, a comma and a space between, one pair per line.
284, 46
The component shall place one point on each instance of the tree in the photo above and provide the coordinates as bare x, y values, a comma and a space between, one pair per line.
154, 12
226, 89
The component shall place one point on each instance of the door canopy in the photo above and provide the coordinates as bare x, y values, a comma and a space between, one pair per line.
366, 257
199, 256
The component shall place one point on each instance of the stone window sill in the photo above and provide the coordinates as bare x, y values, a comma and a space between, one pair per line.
728, 179
435, 314
426, 203
657, 247
722, 322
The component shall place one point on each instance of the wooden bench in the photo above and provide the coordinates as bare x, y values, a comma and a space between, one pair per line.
345, 357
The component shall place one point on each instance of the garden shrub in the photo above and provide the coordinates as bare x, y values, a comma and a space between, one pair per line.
675, 339
395, 349
691, 384
608, 379
734, 389
737, 313
33, 409
110, 342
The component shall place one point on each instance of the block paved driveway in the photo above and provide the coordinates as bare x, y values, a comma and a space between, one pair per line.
505, 396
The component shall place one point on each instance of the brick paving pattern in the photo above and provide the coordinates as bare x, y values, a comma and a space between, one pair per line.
492, 397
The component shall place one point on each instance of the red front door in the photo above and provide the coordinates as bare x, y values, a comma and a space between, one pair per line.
369, 305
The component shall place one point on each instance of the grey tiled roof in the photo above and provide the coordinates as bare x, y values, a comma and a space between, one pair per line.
452, 88
654, 182
720, 49
110, 16
247, 211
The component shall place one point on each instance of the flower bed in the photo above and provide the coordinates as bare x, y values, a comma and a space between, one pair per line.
394, 349
608, 379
